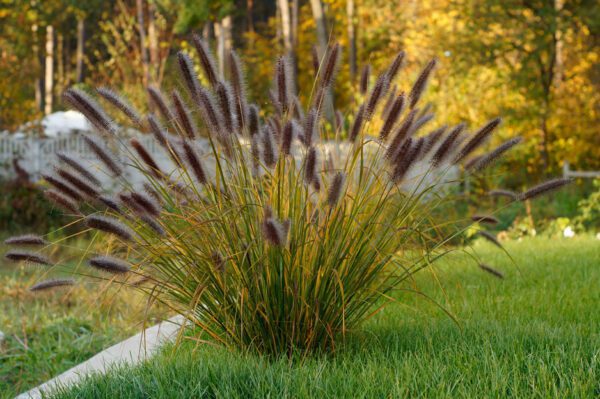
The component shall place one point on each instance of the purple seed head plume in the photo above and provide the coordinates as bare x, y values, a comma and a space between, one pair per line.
401, 153
208, 108
377, 93
269, 149
316, 60
153, 224
319, 98
447, 145
365, 73
128, 201
52, 283
274, 232
503, 193
157, 131
194, 162
207, 60
78, 166
147, 203
149, 189
298, 110
420, 122
392, 116
103, 155
283, 83
480, 137
395, 66
158, 100
310, 165
109, 225
226, 101
63, 188
406, 161
183, 116
489, 237
487, 219
493, 155
186, 68
276, 128
359, 119
432, 139
425, 110
78, 183
391, 97
402, 133
26, 239
471, 163
316, 183
287, 137
421, 83
90, 108
109, 264
62, 201
147, 158
544, 188
236, 70
27, 256
331, 65
253, 120
491, 270
109, 203
275, 102
255, 153
311, 127
336, 188
121, 104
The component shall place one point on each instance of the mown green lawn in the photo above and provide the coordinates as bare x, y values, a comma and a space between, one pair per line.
48, 333
534, 334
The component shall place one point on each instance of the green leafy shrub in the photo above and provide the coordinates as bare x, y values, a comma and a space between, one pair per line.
23, 206
272, 240
588, 217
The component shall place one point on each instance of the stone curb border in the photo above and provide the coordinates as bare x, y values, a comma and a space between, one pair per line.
130, 351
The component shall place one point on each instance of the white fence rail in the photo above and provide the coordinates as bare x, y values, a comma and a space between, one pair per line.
568, 173
37, 155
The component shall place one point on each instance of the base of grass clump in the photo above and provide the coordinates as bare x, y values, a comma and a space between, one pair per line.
533, 334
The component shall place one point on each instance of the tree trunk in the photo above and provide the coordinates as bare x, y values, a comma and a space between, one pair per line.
288, 40
250, 15
60, 63
321, 28
143, 51
80, 46
220, 38
320, 25
227, 28
38, 70
49, 78
558, 46
351, 38
153, 42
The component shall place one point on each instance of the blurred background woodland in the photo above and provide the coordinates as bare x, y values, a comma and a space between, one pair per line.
534, 62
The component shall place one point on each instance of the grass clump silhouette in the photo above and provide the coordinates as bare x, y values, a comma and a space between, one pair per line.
269, 240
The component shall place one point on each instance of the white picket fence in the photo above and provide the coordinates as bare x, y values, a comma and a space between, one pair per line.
37, 154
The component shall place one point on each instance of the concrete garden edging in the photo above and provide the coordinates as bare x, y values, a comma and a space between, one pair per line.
130, 351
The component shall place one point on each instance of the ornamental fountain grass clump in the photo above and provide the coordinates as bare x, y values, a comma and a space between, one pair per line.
267, 242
